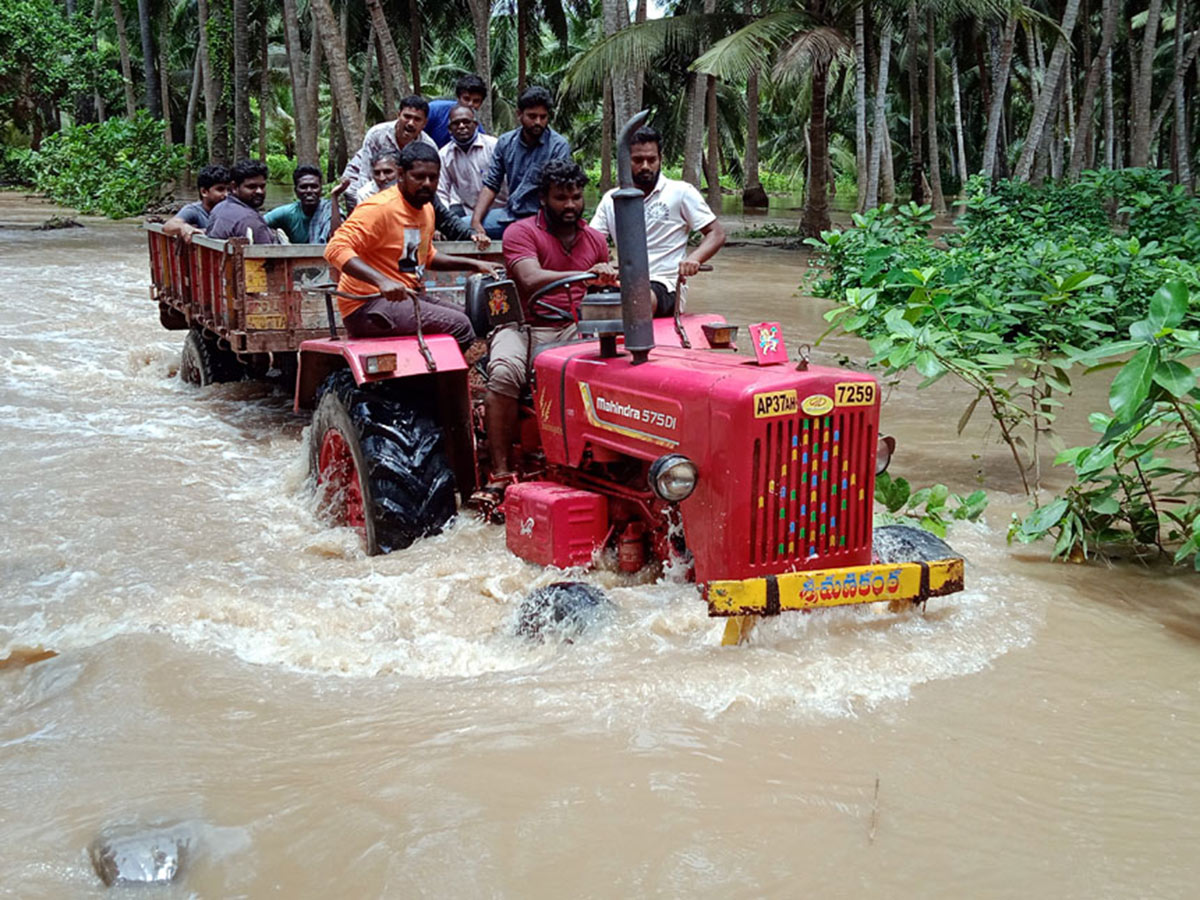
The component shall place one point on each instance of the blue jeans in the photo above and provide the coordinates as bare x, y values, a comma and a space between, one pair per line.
495, 222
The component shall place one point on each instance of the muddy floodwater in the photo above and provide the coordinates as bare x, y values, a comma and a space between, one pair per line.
324, 724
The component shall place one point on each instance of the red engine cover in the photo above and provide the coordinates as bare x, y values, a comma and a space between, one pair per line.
553, 525
786, 458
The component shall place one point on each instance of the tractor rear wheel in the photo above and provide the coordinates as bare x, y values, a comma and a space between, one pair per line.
381, 465
204, 362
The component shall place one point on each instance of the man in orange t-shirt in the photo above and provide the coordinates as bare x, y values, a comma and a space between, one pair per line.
383, 248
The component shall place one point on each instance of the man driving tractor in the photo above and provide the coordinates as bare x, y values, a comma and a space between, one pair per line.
537, 251
383, 250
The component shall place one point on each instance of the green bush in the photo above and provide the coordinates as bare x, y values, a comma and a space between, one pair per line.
16, 166
280, 168
117, 168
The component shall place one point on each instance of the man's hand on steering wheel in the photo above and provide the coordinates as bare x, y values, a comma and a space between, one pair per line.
605, 272
395, 291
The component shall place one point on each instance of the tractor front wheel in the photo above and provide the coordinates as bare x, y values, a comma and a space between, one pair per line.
381, 465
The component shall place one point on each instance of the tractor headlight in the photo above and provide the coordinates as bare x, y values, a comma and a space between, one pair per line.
673, 477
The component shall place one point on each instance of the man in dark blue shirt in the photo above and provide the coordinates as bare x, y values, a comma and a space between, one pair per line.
470, 91
238, 214
518, 159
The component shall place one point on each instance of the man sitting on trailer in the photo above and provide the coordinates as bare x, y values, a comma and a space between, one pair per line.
538, 250
385, 171
238, 216
306, 220
468, 91
213, 184
673, 209
384, 249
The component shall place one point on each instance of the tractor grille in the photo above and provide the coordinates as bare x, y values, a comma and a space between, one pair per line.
810, 488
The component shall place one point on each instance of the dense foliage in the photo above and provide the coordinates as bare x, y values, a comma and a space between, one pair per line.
1030, 285
118, 168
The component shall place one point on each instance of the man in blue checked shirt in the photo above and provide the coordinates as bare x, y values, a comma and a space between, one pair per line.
518, 160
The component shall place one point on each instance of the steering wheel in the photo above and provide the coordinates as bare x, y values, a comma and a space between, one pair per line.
547, 310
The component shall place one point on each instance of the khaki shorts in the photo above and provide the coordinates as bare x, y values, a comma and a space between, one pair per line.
511, 354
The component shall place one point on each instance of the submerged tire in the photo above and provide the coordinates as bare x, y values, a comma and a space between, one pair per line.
381, 465
906, 543
204, 362
562, 610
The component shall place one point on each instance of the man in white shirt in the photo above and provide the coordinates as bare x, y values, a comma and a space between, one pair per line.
674, 209
388, 136
466, 159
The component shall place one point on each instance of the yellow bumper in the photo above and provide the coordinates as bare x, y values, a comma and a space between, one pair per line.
894, 582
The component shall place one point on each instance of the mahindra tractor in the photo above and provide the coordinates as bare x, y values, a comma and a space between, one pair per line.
645, 442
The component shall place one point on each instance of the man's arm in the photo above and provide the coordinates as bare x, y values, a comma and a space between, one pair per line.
177, 227
714, 240
444, 261
530, 277
492, 183
335, 205
392, 290
482, 204
451, 227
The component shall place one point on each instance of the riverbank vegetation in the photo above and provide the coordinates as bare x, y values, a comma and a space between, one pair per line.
1035, 287
890, 101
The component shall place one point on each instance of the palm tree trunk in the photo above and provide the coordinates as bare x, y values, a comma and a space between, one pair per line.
164, 73
1049, 93
368, 56
1183, 170
339, 72
1083, 123
753, 194
215, 119
999, 88
714, 145
1140, 133
414, 44
963, 170
620, 80
97, 97
391, 72
1110, 125
607, 121
126, 64
639, 75
312, 99
264, 90
189, 120
1182, 64
861, 163
306, 128
146, 27
693, 142
881, 145
914, 105
815, 217
481, 13
935, 160
241, 79
522, 38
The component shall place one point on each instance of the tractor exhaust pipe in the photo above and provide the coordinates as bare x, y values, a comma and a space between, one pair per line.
637, 301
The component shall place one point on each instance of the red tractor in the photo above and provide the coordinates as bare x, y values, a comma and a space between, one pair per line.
752, 476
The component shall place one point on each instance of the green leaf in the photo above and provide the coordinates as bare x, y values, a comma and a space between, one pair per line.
1174, 377
1041, 520
1132, 384
927, 364
1169, 305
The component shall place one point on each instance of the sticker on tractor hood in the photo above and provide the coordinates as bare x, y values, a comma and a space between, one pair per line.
629, 414
817, 404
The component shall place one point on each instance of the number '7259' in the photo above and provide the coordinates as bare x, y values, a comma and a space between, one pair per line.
855, 393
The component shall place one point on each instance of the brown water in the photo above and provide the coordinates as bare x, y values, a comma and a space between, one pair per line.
328, 724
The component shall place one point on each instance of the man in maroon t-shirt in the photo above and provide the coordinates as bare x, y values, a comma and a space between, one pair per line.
538, 250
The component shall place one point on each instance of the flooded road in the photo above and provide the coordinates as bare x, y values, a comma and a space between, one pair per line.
327, 724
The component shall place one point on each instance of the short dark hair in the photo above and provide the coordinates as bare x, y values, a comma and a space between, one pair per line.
418, 151
247, 168
457, 106
562, 172
301, 171
647, 135
470, 84
535, 95
211, 175
393, 155
417, 102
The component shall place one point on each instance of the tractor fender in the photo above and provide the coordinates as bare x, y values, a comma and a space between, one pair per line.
320, 357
